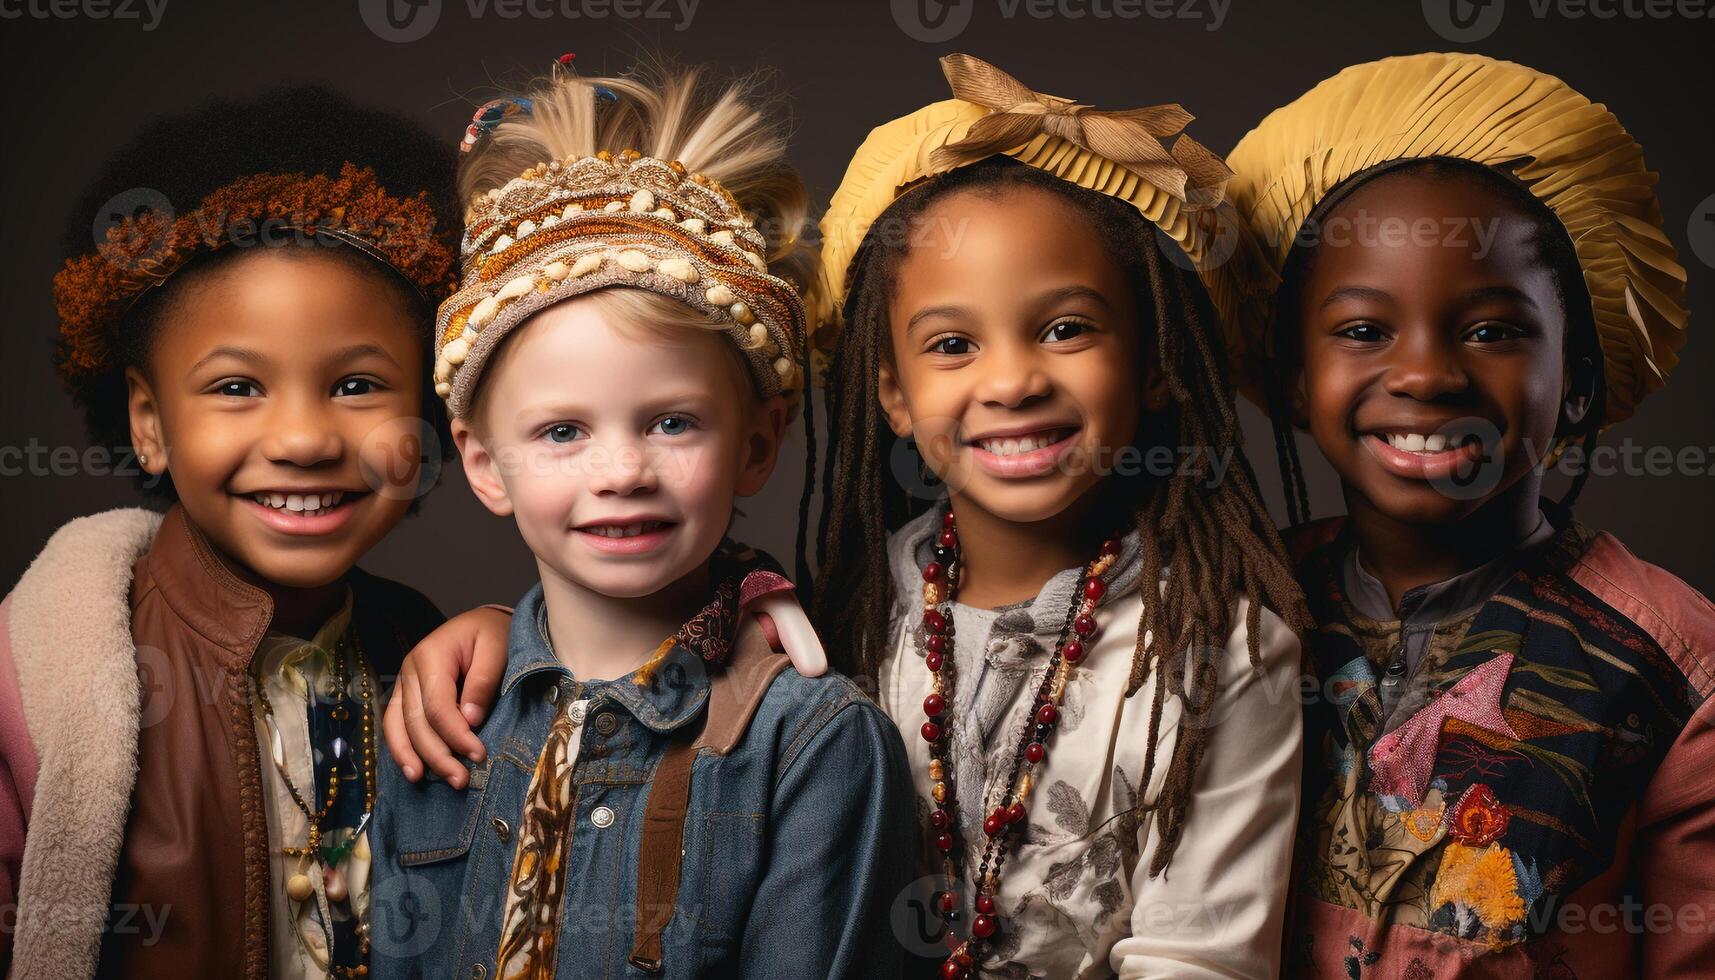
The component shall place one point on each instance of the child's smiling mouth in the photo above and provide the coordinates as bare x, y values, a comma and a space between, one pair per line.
303, 511
1424, 451
1023, 452
626, 536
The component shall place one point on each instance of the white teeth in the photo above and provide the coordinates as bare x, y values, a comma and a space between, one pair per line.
1012, 447
1418, 443
622, 530
300, 503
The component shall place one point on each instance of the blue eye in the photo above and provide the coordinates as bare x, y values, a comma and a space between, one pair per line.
562, 433
354, 386
237, 389
672, 425
952, 346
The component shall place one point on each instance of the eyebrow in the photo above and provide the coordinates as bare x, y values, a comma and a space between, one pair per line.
247, 354
953, 312
1354, 292
1473, 296
364, 350
687, 400
1073, 292
1052, 296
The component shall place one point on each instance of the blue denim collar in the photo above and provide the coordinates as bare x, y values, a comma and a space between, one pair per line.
671, 699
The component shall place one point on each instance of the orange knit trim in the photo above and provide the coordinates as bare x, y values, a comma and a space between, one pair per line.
93, 292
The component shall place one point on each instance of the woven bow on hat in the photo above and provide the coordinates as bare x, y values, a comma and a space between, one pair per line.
1129, 137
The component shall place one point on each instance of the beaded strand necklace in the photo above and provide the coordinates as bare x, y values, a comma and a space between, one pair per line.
941, 579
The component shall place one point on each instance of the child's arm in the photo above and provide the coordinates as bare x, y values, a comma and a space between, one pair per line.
1219, 909
842, 834
1675, 854
448, 682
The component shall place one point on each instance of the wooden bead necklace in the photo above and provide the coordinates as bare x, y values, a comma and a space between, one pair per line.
300, 888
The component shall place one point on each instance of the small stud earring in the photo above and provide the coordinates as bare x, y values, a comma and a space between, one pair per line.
142, 459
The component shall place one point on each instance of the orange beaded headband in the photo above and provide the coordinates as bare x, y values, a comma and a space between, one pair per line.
93, 293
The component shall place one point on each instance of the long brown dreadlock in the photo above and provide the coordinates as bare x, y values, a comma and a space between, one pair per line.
1214, 540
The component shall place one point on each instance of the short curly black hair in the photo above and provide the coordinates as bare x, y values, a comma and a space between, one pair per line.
307, 129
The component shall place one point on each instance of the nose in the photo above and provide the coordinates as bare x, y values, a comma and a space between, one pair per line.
1425, 365
622, 468
300, 433
1013, 377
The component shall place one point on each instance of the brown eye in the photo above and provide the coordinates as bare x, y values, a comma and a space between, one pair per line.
1494, 333
1066, 330
237, 389
1366, 333
953, 346
354, 386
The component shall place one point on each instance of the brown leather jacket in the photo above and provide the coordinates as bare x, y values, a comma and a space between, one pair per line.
197, 837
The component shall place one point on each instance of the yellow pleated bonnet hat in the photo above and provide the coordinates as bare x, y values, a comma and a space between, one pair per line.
1572, 154
1180, 187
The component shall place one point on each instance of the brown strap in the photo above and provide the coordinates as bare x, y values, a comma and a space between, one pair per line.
660, 850
735, 691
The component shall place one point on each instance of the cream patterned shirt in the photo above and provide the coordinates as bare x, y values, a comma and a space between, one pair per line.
1076, 899
286, 666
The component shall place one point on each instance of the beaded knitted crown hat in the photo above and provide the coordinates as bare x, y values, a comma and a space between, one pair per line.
567, 227
1571, 154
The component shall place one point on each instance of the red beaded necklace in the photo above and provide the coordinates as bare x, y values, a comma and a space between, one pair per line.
941, 580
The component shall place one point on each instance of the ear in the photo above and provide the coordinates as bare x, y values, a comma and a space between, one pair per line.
148, 435
762, 445
1155, 391
1579, 392
1298, 399
481, 470
892, 399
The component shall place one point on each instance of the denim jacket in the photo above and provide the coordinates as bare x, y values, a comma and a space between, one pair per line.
796, 843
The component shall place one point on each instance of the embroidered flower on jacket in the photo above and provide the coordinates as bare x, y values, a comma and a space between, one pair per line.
1479, 882
1479, 818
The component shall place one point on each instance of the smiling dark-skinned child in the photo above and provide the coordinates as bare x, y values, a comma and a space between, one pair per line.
1507, 753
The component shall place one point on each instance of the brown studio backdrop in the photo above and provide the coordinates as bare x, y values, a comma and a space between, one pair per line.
78, 87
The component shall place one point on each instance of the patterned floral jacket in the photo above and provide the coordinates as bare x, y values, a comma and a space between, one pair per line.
1545, 809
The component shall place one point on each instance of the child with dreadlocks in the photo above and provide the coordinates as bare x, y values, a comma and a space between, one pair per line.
1509, 772
1022, 307
1086, 647
190, 699
659, 792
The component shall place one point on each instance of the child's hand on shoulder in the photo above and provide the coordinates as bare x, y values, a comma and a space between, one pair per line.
446, 685
448, 682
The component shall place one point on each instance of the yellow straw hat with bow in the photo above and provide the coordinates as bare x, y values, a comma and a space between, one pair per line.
1139, 156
